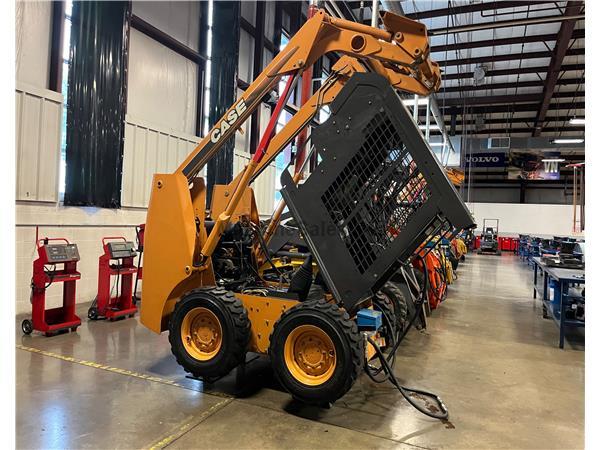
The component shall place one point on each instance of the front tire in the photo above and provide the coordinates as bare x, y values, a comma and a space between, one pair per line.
27, 327
209, 332
316, 352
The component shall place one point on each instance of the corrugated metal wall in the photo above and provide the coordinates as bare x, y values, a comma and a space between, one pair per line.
162, 84
32, 42
150, 149
157, 134
38, 121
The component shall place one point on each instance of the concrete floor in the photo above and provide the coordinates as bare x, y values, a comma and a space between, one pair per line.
487, 352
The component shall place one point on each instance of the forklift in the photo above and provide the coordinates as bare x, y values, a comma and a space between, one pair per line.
369, 207
489, 237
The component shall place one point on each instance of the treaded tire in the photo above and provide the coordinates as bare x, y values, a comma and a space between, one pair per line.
235, 325
395, 295
382, 302
27, 326
348, 343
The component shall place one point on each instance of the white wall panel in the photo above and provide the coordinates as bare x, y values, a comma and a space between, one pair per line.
150, 149
515, 218
264, 186
38, 118
246, 57
270, 20
85, 226
248, 11
32, 42
178, 19
162, 85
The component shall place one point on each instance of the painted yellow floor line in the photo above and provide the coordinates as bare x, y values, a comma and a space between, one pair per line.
178, 431
108, 368
182, 429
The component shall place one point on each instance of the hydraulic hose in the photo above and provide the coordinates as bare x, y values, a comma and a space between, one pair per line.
387, 363
406, 391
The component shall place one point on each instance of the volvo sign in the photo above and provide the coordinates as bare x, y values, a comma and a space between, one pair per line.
485, 160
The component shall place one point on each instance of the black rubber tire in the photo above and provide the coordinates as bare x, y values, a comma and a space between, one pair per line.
349, 349
93, 313
235, 328
381, 302
395, 295
27, 327
316, 292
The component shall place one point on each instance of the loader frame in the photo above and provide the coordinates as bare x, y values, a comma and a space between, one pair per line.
178, 247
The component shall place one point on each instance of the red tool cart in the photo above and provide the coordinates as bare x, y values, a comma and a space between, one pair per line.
51, 321
116, 261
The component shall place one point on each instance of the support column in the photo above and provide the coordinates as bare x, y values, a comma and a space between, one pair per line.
223, 84
304, 96
97, 102
257, 67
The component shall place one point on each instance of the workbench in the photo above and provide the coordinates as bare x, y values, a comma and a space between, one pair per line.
563, 277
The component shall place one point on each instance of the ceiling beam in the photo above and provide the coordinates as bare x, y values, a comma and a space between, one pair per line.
556, 64
477, 7
513, 85
506, 121
505, 24
520, 107
505, 183
515, 71
167, 40
502, 99
507, 57
577, 34
521, 130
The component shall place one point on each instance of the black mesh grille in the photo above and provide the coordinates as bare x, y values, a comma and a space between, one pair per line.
372, 200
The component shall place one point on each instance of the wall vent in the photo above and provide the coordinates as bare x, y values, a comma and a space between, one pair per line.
499, 143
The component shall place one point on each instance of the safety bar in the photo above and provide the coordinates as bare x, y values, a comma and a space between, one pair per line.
47, 239
113, 238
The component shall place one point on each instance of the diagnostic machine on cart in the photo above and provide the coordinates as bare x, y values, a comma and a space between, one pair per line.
118, 261
53, 252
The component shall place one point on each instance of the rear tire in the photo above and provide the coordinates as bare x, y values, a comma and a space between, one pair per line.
381, 302
209, 332
316, 352
394, 294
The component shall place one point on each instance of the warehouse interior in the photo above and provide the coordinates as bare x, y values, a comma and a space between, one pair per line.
307, 224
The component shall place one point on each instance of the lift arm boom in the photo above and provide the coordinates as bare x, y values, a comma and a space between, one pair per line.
400, 53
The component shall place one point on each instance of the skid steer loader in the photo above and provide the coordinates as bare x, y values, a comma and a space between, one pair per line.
376, 195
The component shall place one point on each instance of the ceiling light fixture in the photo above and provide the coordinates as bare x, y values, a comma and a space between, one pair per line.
577, 121
432, 127
567, 141
411, 102
553, 160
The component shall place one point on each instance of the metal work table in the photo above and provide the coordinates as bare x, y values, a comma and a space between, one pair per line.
563, 277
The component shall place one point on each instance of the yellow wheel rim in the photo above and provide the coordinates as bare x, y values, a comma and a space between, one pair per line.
310, 355
201, 334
